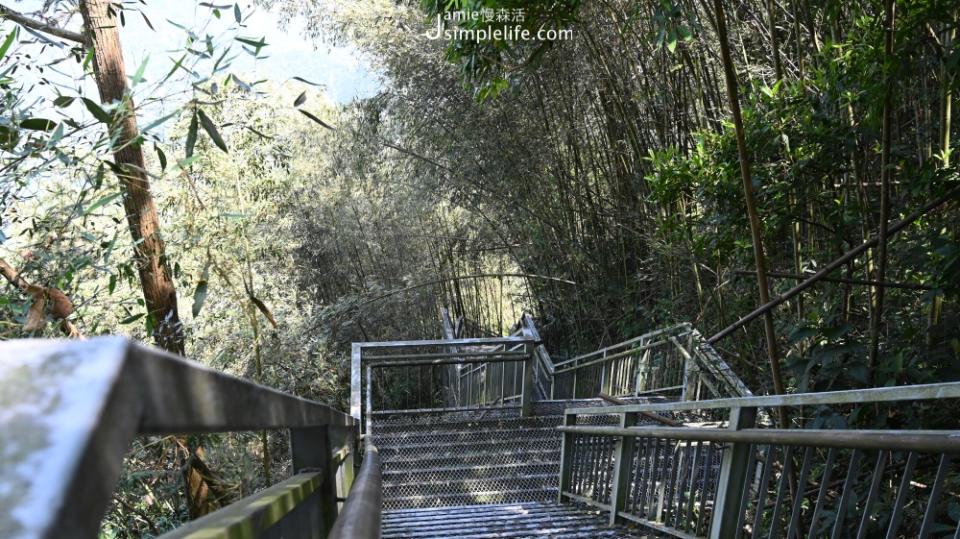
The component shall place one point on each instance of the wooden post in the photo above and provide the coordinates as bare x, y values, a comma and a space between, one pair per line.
622, 460
311, 450
526, 389
566, 456
733, 474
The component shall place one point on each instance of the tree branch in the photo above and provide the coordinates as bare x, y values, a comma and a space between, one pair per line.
41, 26
61, 307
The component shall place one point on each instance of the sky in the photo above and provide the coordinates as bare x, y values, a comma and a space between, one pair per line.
339, 70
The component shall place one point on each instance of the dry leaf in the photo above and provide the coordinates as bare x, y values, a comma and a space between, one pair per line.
36, 316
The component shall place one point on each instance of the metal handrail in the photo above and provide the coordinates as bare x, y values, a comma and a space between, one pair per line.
79, 405
626, 343
360, 517
944, 390
662, 473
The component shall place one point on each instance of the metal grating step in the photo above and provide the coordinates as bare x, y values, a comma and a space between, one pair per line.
459, 457
478, 498
458, 473
443, 437
502, 521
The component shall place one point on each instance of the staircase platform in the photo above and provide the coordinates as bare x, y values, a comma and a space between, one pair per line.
503, 521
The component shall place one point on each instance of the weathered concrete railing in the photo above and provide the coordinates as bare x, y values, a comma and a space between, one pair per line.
410, 377
742, 479
673, 361
69, 411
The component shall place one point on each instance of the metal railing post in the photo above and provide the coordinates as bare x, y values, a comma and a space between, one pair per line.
526, 389
356, 381
566, 456
622, 460
733, 474
312, 451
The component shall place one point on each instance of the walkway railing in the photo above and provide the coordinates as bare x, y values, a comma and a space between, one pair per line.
71, 409
741, 479
675, 361
411, 377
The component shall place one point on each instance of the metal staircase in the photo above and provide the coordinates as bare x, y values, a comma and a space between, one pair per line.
467, 431
485, 438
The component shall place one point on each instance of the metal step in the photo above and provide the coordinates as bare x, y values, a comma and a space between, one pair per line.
436, 487
428, 450
502, 521
462, 472
460, 437
459, 457
478, 498
486, 423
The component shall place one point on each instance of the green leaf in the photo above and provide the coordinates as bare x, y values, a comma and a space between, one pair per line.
176, 65
257, 45
192, 135
9, 137
159, 121
211, 130
318, 120
112, 285
103, 201
38, 124
200, 294
672, 41
301, 99
138, 76
236, 13
131, 319
97, 112
305, 81
7, 43
162, 157
63, 101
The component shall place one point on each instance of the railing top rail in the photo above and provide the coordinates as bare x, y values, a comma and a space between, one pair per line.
941, 441
628, 342
945, 390
362, 512
73, 407
445, 342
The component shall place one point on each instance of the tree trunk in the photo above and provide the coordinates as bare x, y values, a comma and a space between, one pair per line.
100, 23
100, 26
755, 225
885, 168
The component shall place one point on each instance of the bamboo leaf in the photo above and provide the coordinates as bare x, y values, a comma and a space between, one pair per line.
103, 201
38, 124
318, 120
7, 43
200, 293
211, 130
97, 112
192, 135
301, 99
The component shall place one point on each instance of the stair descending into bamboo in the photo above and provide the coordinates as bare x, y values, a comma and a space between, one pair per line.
485, 473
502, 521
